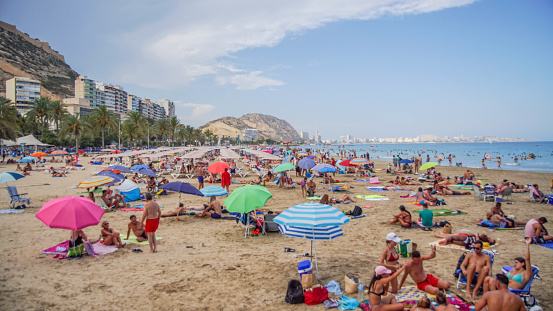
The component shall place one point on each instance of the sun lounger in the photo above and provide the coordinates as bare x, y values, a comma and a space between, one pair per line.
16, 198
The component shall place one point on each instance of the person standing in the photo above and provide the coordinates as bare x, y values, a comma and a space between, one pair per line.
225, 180
151, 215
417, 166
499, 163
200, 173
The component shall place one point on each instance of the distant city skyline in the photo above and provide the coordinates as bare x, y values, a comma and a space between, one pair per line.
362, 68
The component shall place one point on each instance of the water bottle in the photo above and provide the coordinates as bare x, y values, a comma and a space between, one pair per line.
360, 292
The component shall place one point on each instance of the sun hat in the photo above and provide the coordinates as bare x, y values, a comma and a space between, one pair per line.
393, 237
380, 270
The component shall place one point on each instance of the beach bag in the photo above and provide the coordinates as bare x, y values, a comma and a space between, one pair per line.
76, 251
357, 211
308, 280
89, 249
294, 294
352, 283
315, 295
529, 300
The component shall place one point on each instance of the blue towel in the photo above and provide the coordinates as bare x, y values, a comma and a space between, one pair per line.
334, 288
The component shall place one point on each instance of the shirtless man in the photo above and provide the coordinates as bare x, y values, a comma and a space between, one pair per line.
138, 230
425, 281
428, 197
213, 209
151, 216
501, 299
476, 265
112, 201
503, 222
311, 187
468, 176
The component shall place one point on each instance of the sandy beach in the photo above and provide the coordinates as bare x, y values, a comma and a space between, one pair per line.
207, 264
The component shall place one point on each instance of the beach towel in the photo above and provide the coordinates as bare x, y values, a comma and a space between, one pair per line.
372, 197
62, 249
487, 224
132, 239
140, 207
11, 211
444, 212
549, 244
376, 189
101, 249
409, 295
314, 198
362, 180
458, 247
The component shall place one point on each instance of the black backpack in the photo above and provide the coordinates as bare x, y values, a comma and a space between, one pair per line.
459, 263
357, 211
294, 294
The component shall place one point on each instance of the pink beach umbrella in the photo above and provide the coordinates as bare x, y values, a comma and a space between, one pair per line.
70, 213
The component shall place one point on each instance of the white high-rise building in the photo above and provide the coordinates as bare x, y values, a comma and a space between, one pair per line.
168, 105
22, 92
249, 135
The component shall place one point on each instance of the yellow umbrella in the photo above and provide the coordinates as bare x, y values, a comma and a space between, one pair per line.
95, 182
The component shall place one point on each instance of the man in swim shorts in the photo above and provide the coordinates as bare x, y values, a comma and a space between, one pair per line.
151, 215
476, 266
425, 281
138, 229
213, 209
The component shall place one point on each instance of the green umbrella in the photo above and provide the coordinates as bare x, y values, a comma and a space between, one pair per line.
428, 165
284, 167
246, 199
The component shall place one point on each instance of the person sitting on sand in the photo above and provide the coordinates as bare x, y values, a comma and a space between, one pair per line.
503, 222
468, 176
535, 230
137, 228
18, 168
311, 187
475, 267
390, 257
345, 199
500, 299
114, 201
443, 303
424, 281
463, 239
77, 238
428, 197
163, 181
110, 236
425, 217
151, 184
404, 218
213, 209
378, 287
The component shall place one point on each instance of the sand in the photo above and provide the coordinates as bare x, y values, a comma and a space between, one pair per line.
206, 264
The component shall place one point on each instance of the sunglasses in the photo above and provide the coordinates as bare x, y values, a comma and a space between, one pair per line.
477, 248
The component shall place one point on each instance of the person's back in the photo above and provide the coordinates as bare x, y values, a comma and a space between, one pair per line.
151, 209
501, 300
529, 231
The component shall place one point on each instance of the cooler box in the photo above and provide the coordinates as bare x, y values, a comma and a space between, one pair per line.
305, 267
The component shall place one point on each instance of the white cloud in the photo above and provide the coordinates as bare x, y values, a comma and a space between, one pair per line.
201, 38
194, 114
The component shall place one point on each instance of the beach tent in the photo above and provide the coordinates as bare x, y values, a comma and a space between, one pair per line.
28, 140
130, 189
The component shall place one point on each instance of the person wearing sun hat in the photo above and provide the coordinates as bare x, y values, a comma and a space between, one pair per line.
390, 257
379, 287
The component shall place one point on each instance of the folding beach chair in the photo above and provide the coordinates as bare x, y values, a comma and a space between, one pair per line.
477, 193
247, 221
269, 225
489, 194
507, 192
526, 288
462, 279
16, 198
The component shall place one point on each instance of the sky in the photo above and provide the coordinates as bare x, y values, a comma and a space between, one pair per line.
379, 68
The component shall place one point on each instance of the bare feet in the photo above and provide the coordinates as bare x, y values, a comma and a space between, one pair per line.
122, 245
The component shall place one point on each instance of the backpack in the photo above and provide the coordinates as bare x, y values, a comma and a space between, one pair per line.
357, 211
459, 263
294, 294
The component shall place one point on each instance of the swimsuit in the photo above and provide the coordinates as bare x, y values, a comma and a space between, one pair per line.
430, 281
143, 235
469, 240
215, 216
517, 277
151, 225
392, 257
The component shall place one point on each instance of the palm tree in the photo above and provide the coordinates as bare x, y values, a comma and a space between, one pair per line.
40, 112
75, 126
104, 119
57, 111
139, 121
162, 126
173, 125
129, 129
9, 122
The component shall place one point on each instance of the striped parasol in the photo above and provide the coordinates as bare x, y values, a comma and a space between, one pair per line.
58, 153
213, 190
359, 161
312, 215
314, 233
95, 182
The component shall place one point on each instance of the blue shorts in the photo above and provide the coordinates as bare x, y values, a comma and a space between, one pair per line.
232, 171
200, 179
215, 216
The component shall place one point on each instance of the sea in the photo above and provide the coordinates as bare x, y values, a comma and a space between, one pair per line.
467, 154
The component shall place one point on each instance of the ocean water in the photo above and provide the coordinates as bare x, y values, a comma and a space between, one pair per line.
469, 154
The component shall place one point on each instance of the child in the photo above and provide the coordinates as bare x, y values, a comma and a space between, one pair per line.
303, 189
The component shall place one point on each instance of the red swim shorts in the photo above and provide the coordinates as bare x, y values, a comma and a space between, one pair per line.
430, 280
151, 225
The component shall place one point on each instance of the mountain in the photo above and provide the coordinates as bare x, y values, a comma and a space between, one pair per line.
267, 127
23, 56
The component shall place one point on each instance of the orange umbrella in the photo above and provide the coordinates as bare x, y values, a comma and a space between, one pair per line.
38, 154
58, 152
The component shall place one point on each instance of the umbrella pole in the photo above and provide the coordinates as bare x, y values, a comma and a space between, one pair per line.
178, 208
247, 225
316, 264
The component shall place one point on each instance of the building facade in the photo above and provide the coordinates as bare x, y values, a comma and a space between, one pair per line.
249, 135
168, 105
22, 92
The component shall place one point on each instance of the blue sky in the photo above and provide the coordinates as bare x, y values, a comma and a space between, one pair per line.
385, 68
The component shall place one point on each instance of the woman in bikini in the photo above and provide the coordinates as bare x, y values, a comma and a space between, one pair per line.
404, 218
463, 239
443, 304
379, 286
390, 257
109, 235
518, 276
346, 199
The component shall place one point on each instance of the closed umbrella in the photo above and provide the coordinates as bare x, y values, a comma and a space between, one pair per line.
218, 167
70, 213
95, 182
306, 163
213, 191
428, 165
312, 215
247, 198
284, 167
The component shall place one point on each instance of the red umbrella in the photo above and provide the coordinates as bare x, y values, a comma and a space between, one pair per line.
218, 167
70, 213
346, 163
80, 151
115, 151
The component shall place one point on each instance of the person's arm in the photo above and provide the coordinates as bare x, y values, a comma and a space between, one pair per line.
407, 270
144, 214
426, 257
480, 304
128, 231
528, 272
464, 264
538, 228
394, 275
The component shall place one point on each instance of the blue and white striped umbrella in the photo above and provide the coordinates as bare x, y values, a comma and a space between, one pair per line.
313, 233
213, 190
323, 168
312, 215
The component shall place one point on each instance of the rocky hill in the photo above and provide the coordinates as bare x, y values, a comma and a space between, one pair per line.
267, 127
23, 56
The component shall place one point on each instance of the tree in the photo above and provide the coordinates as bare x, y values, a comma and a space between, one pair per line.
173, 125
162, 126
104, 119
75, 126
129, 129
57, 111
40, 112
9, 122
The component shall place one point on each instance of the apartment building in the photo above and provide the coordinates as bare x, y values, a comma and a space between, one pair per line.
22, 92
168, 105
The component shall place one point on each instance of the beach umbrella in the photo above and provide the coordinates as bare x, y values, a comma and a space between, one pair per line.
213, 190
313, 216
58, 153
38, 154
311, 157
70, 213
301, 154
428, 165
323, 168
136, 168
346, 163
145, 171
110, 173
80, 151
120, 168
286, 159
218, 167
95, 182
406, 161
245, 199
27, 160
181, 187
284, 167
10, 176
306, 163
115, 151
359, 161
